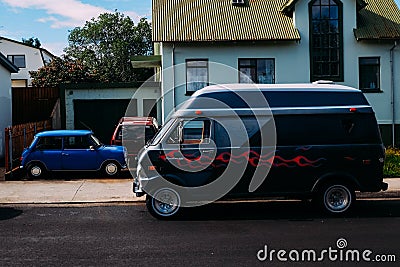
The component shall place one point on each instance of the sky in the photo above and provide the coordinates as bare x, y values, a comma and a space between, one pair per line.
51, 20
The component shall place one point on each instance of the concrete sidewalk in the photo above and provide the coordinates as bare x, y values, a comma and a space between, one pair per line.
104, 191
60, 192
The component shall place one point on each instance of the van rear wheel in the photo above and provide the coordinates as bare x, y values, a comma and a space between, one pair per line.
164, 203
336, 198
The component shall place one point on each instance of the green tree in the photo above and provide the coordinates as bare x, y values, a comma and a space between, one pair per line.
106, 43
32, 42
63, 70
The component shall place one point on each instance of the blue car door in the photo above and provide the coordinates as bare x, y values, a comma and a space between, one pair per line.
78, 154
48, 151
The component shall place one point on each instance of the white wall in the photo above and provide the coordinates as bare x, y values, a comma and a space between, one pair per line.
5, 106
228, 54
33, 58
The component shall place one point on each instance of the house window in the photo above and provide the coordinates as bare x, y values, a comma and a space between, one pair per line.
369, 78
326, 40
196, 75
17, 60
260, 70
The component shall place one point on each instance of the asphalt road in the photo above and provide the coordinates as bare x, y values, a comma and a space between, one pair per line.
215, 235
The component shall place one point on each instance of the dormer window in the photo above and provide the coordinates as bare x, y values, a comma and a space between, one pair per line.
238, 2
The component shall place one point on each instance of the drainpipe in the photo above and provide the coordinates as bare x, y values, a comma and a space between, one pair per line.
173, 76
392, 99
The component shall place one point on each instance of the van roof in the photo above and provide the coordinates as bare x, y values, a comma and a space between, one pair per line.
278, 98
320, 86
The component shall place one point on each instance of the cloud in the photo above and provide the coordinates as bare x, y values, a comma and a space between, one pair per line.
72, 12
135, 16
56, 48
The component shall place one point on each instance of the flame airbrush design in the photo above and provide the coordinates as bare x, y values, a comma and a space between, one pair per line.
195, 161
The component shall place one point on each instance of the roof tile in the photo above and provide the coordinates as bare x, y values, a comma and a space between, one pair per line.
380, 19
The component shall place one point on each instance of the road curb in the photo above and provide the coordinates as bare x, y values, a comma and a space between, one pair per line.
383, 194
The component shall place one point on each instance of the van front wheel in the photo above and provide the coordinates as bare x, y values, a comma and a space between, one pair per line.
164, 203
336, 198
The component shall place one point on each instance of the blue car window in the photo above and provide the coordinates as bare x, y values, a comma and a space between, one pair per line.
77, 142
49, 143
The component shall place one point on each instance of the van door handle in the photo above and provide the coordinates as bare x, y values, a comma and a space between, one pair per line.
64, 154
207, 151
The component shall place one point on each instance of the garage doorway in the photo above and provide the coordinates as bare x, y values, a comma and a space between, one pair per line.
101, 116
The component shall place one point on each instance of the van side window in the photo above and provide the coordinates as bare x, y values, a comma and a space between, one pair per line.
319, 129
195, 131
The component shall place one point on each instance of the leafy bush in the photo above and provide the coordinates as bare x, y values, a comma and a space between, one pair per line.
392, 163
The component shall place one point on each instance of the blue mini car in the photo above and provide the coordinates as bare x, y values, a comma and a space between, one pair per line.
71, 150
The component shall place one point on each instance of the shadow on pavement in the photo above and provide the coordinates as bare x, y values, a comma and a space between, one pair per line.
287, 210
9, 213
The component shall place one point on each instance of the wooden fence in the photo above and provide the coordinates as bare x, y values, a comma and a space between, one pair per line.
19, 137
33, 104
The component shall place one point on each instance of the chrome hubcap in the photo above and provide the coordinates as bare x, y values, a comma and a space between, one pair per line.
166, 202
36, 171
337, 198
111, 168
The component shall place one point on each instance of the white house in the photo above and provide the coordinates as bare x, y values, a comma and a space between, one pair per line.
6, 69
26, 58
351, 42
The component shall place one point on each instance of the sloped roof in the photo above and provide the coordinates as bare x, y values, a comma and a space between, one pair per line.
219, 20
7, 64
380, 19
31, 46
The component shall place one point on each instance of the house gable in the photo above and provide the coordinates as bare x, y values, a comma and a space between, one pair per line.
376, 19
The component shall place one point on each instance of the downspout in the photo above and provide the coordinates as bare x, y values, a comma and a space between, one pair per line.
173, 76
392, 93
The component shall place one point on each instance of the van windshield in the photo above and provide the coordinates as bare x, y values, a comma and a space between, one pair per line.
157, 138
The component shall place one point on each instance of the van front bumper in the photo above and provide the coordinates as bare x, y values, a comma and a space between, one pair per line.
140, 180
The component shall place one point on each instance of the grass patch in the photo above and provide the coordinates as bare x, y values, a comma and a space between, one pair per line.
392, 163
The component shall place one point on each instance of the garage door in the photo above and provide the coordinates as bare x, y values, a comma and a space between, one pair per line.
101, 116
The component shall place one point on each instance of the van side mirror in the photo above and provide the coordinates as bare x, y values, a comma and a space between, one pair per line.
92, 148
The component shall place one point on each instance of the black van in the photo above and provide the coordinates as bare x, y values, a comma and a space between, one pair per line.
315, 141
